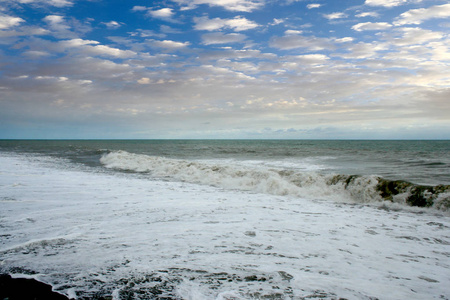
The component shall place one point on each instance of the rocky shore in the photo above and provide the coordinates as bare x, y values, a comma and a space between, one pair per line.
26, 289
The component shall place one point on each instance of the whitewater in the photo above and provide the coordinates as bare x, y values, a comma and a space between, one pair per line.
105, 222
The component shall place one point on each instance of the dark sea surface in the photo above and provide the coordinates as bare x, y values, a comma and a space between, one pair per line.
419, 162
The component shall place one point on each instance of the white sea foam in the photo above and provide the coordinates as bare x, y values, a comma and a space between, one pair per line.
93, 233
249, 177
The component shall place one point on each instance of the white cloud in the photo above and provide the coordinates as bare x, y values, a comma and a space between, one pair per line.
165, 14
221, 38
65, 28
27, 31
291, 32
168, 29
168, 44
146, 33
60, 3
144, 80
385, 3
417, 16
336, 15
86, 47
238, 24
277, 21
162, 13
36, 54
231, 5
139, 8
289, 42
8, 21
363, 50
313, 5
413, 36
346, 39
57, 3
368, 14
313, 58
57, 23
77, 43
103, 50
371, 26
54, 19
112, 24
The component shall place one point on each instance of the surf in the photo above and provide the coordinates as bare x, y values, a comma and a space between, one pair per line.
237, 175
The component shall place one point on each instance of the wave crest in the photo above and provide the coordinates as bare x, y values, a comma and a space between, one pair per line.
361, 189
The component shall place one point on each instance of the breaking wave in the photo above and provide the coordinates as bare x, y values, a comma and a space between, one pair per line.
356, 188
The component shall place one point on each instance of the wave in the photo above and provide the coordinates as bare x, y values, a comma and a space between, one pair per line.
261, 179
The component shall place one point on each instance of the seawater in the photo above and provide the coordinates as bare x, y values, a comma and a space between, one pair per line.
419, 162
227, 219
411, 172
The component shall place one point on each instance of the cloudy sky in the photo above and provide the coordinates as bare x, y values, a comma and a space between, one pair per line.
298, 69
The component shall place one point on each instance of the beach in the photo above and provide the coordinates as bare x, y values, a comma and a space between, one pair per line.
97, 232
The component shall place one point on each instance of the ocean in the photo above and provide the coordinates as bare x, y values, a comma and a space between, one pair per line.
228, 219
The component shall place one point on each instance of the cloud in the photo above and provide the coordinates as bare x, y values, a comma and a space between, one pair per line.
334, 16
385, 3
237, 24
139, 8
292, 32
57, 3
344, 40
163, 13
313, 58
313, 5
368, 14
85, 47
144, 80
112, 24
7, 21
58, 26
221, 38
413, 36
289, 42
363, 50
371, 26
417, 16
168, 29
65, 28
200, 78
277, 22
168, 44
146, 33
231, 5
103, 50
36, 54
9, 37
77, 43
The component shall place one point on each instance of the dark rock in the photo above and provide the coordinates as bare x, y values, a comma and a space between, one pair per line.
389, 188
26, 289
416, 195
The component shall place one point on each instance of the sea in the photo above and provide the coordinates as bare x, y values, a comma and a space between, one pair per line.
228, 219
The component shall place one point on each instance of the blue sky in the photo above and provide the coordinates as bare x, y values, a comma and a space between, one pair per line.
350, 69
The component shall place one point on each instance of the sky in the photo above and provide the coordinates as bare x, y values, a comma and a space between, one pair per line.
244, 69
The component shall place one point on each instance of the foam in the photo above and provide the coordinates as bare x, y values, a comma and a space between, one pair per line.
94, 234
241, 176
262, 178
